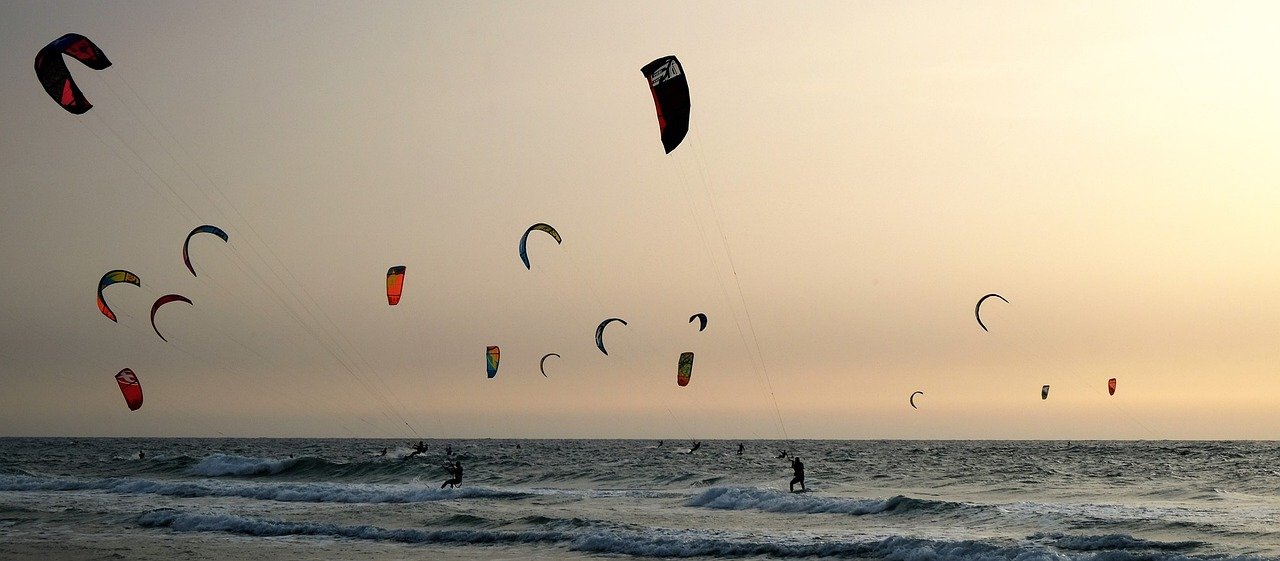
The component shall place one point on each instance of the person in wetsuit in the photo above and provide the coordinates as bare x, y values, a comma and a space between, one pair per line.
798, 467
455, 469
695, 447
417, 449
740, 448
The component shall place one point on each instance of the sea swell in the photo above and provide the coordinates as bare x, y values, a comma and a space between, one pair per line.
772, 500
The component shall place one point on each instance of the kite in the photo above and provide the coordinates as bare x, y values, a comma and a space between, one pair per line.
1044, 392
978, 308
162, 301
524, 255
395, 284
112, 277
1111, 386
542, 363
702, 319
52, 70
912, 399
492, 355
206, 229
131, 388
685, 369
670, 91
600, 332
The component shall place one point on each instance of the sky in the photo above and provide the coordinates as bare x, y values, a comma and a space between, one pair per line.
856, 176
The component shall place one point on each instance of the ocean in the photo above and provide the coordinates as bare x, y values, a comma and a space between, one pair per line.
232, 498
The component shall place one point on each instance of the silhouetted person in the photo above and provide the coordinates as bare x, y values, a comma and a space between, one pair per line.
696, 445
740, 448
782, 454
455, 470
417, 449
141, 454
659, 444
383, 452
798, 467
448, 449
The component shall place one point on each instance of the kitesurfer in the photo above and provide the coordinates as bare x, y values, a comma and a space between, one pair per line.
141, 454
740, 448
782, 454
448, 449
659, 444
798, 467
455, 470
383, 452
695, 447
417, 449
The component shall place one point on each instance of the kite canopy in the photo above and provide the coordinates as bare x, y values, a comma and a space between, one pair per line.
702, 320
685, 370
206, 229
542, 364
162, 301
670, 91
492, 356
395, 284
131, 388
600, 332
52, 70
1111, 386
112, 277
977, 309
1044, 392
524, 255
912, 399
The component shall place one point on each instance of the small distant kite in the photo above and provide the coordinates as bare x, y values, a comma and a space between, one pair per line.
600, 332
524, 254
110, 278
542, 364
685, 369
670, 91
1111, 386
702, 320
206, 229
395, 284
52, 70
131, 388
162, 301
978, 309
912, 399
492, 356
1044, 392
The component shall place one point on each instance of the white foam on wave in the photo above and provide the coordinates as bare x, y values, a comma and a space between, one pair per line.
229, 464
285, 492
772, 500
602, 538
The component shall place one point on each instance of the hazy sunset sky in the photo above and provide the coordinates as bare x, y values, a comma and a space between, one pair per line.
856, 176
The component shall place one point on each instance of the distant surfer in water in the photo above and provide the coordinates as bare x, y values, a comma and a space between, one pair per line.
417, 449
659, 444
740, 448
141, 454
695, 447
383, 452
448, 449
798, 467
455, 469
782, 454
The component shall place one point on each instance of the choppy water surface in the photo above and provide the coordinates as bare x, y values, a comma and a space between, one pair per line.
555, 499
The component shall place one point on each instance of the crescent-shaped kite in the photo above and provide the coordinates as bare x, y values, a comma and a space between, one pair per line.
110, 278
524, 255
162, 301
702, 319
912, 399
977, 309
206, 229
130, 388
492, 355
542, 364
52, 70
600, 332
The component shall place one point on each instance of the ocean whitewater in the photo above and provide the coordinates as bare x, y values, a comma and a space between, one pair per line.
576, 499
